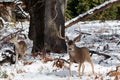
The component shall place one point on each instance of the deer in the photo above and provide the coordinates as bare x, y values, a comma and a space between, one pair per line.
19, 48
77, 54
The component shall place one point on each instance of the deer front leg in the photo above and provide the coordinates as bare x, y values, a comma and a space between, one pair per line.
70, 69
83, 67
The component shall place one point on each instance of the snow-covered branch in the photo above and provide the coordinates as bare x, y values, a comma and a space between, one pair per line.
18, 4
4, 23
86, 15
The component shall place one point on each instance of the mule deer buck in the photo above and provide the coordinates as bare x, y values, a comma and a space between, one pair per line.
76, 54
20, 48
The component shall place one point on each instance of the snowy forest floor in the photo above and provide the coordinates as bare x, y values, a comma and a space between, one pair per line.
101, 34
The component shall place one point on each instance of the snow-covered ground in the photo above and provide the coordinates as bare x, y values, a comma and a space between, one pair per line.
102, 33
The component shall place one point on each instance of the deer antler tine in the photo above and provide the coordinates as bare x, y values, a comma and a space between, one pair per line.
78, 30
79, 36
59, 34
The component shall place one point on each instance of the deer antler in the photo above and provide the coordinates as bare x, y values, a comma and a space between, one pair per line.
59, 34
61, 37
79, 36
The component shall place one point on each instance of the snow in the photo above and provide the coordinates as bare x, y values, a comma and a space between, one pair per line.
7, 0
102, 33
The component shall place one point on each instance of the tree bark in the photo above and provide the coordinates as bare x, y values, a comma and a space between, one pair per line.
46, 16
54, 18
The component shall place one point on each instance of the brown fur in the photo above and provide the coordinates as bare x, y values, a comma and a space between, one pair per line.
23, 47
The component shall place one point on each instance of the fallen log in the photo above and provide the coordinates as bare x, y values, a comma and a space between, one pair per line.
101, 54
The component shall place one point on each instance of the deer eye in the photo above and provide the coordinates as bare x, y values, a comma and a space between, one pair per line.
70, 42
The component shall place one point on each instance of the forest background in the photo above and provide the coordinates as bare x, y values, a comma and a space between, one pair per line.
76, 7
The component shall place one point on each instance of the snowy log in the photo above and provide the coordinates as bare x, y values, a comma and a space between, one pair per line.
101, 54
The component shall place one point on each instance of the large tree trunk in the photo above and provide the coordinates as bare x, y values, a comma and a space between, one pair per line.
54, 18
36, 29
46, 16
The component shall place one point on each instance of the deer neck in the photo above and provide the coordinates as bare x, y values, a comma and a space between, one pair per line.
72, 51
15, 43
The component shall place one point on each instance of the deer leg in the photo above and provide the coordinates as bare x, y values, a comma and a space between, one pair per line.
83, 67
92, 66
79, 67
16, 60
70, 69
23, 56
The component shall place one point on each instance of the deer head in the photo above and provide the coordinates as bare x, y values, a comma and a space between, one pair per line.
70, 43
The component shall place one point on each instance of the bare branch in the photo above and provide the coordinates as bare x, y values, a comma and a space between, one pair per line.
8, 37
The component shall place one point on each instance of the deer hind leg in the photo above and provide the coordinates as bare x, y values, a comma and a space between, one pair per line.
70, 69
79, 67
83, 67
16, 59
92, 65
